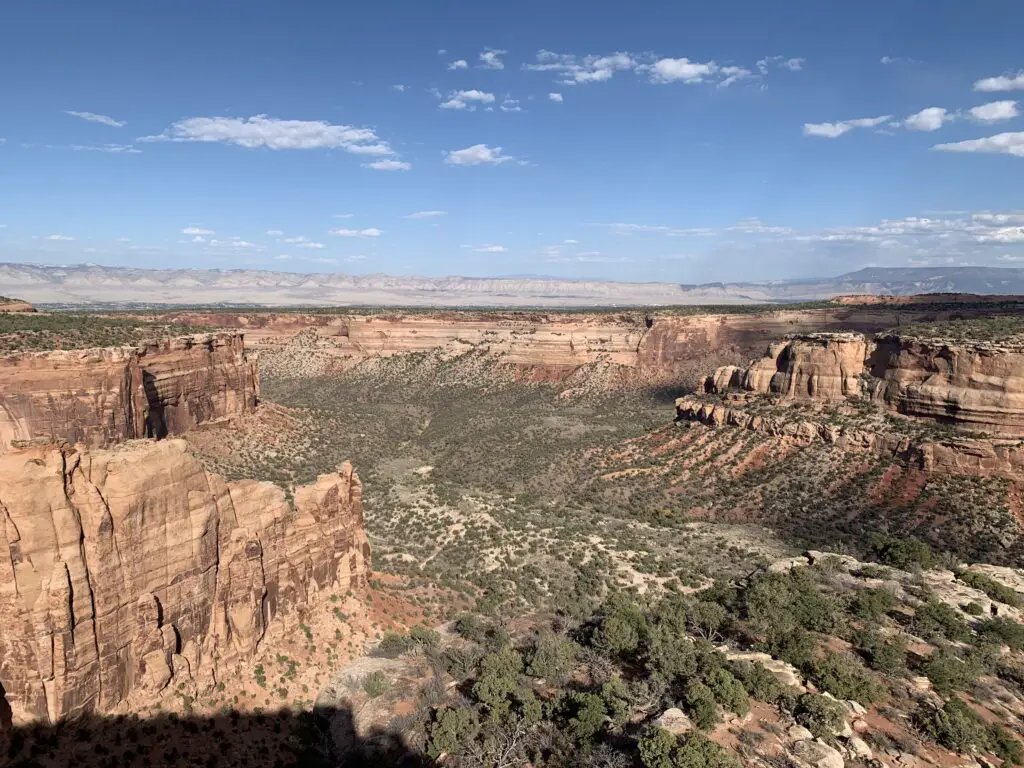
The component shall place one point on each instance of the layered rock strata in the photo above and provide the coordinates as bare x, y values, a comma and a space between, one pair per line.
973, 386
959, 456
99, 397
123, 571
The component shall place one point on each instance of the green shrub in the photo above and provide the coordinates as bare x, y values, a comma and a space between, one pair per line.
700, 703
996, 591
660, 749
819, 714
842, 676
729, 692
451, 730
954, 726
947, 671
888, 656
1003, 745
903, 553
934, 620
393, 645
376, 684
1003, 631
552, 658
872, 604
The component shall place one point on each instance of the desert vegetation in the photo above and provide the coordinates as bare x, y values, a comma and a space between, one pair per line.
41, 331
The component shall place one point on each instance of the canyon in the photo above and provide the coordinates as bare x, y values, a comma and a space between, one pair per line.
185, 530
103, 396
131, 569
644, 348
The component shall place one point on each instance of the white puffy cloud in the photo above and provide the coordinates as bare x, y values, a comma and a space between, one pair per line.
929, 119
275, 232
302, 241
126, 149
1001, 143
682, 70
426, 214
234, 242
92, 117
478, 154
368, 232
835, 130
556, 97
511, 105
1007, 82
59, 238
490, 248
793, 64
343, 216
574, 70
994, 111
733, 75
400, 88
458, 64
282, 257
272, 133
388, 165
491, 58
197, 231
467, 100
1004, 235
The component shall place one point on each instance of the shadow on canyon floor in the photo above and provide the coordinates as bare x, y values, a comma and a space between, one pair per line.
320, 739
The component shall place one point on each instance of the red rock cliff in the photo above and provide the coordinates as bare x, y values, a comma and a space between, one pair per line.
100, 397
124, 570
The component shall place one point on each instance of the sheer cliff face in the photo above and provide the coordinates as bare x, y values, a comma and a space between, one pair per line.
100, 397
124, 570
975, 387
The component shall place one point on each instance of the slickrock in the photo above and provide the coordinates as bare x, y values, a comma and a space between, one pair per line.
123, 571
99, 397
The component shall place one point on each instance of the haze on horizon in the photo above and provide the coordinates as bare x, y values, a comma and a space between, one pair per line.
671, 144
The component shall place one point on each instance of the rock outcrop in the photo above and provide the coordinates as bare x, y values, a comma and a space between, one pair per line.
124, 570
99, 397
955, 455
975, 387
8, 304
826, 366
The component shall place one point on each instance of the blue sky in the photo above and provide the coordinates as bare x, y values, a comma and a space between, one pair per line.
665, 141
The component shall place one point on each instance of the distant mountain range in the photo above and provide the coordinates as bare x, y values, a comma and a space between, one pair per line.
91, 284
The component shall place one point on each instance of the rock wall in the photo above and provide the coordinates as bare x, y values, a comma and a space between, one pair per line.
819, 366
124, 570
986, 458
974, 387
194, 380
99, 397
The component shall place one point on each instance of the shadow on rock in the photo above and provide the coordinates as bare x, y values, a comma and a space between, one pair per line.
325, 738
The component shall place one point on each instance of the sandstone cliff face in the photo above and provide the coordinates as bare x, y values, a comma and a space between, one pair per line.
819, 366
956, 456
975, 387
123, 570
100, 397
194, 380
659, 348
